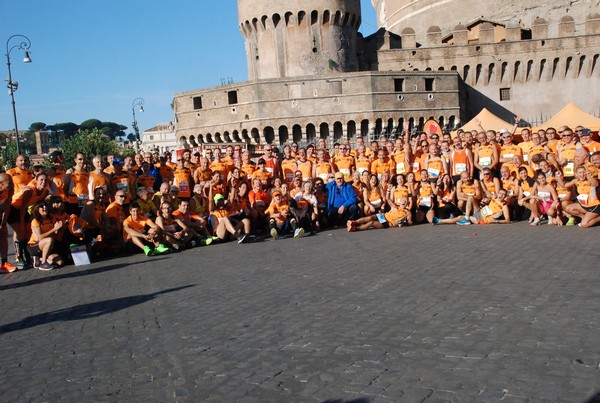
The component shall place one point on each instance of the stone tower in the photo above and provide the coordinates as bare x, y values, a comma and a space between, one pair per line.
291, 38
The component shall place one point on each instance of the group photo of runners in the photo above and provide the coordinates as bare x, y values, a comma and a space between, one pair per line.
163, 203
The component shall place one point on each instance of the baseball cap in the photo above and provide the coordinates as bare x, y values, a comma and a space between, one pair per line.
586, 132
218, 197
261, 161
503, 130
117, 161
277, 193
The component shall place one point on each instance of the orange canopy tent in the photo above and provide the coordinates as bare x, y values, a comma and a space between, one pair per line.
488, 120
572, 116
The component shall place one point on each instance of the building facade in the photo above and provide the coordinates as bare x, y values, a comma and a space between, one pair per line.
312, 75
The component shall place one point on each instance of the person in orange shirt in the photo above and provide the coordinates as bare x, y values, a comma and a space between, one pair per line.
382, 164
469, 194
262, 174
496, 212
41, 243
258, 204
587, 207
485, 155
373, 200
585, 137
426, 200
115, 214
398, 216
281, 220
566, 153
434, 164
5, 200
344, 162
165, 171
363, 163
76, 185
447, 212
183, 179
322, 168
141, 232
288, 164
304, 165
224, 226
509, 149
98, 178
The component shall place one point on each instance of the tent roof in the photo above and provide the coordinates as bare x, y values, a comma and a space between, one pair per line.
488, 120
572, 116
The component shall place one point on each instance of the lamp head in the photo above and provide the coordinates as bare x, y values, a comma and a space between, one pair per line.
141, 109
27, 59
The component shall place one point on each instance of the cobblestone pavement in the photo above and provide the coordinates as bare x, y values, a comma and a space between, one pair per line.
442, 313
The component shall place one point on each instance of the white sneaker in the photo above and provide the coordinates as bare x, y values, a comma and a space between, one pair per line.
299, 232
536, 221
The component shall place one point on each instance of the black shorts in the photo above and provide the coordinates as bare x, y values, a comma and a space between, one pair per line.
34, 250
15, 215
447, 211
595, 209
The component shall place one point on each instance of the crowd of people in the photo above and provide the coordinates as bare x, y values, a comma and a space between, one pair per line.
157, 204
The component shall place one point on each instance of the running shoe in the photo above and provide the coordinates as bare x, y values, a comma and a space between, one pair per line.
46, 266
7, 267
274, 233
36, 262
160, 249
242, 237
464, 221
435, 221
571, 222
148, 250
298, 232
206, 242
536, 221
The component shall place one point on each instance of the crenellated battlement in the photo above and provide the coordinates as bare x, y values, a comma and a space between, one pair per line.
300, 19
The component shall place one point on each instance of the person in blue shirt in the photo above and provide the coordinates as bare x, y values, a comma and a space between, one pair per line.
342, 203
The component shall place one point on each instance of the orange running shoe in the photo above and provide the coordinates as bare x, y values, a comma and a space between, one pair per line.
7, 267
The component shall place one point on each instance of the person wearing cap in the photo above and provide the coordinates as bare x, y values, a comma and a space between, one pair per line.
262, 174
281, 221
342, 203
121, 180
585, 137
225, 227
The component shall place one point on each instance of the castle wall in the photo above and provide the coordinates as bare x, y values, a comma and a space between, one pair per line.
395, 15
290, 38
534, 78
304, 109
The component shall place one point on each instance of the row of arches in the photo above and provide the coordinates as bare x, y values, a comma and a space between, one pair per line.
338, 18
532, 70
330, 131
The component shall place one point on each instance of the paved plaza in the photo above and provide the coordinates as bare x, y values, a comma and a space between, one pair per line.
447, 313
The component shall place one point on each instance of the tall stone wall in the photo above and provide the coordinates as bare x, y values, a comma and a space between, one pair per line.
395, 15
299, 38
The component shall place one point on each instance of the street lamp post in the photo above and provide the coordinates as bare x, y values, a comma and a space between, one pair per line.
24, 44
137, 102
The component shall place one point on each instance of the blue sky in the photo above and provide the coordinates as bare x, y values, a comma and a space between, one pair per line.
91, 58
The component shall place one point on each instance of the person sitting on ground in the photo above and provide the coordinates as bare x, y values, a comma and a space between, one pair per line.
398, 216
587, 207
224, 227
495, 212
178, 235
141, 232
195, 222
281, 221
342, 203
542, 200
41, 243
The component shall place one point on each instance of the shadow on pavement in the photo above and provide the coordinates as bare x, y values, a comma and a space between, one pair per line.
73, 274
85, 311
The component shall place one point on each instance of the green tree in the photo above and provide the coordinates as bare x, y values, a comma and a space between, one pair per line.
89, 142
8, 155
91, 124
36, 126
